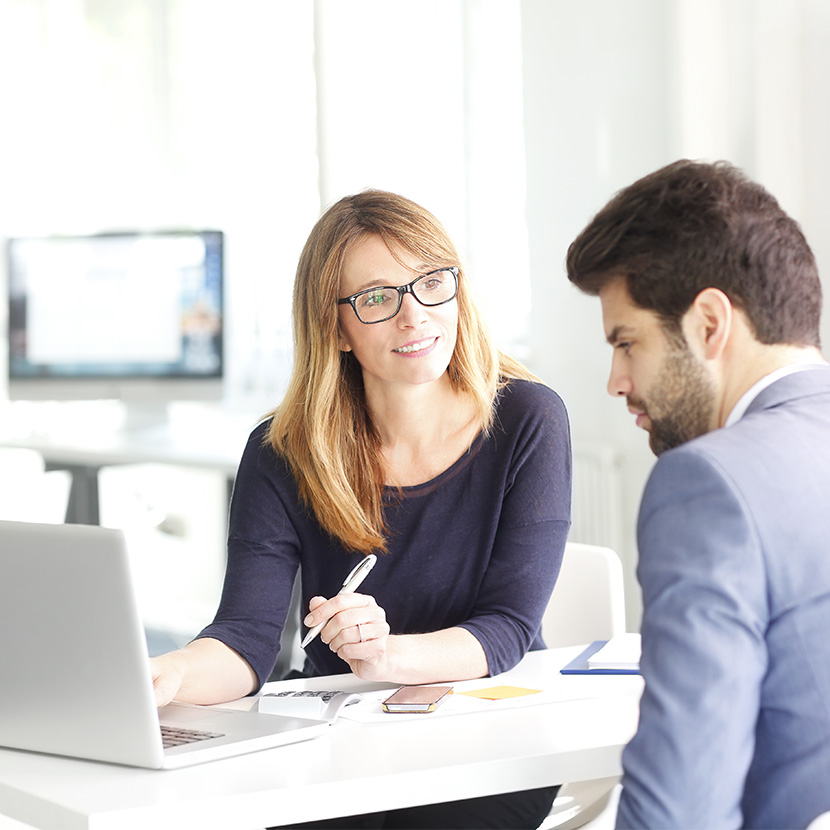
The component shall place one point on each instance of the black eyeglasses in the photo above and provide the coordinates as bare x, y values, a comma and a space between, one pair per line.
374, 305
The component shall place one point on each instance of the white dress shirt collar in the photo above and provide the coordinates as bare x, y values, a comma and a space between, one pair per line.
749, 396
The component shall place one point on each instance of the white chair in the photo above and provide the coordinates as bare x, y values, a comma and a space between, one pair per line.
588, 604
821, 822
27, 492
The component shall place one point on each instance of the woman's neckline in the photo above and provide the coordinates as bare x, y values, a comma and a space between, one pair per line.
456, 467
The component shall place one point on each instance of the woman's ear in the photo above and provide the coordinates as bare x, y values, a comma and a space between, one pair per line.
342, 343
708, 322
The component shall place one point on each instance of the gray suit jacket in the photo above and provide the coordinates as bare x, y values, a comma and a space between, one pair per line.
734, 546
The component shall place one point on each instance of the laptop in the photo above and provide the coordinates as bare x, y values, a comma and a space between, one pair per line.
74, 662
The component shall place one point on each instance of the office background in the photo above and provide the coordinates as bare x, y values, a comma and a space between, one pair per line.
512, 120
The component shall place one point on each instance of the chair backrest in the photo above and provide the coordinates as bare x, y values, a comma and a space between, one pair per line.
27, 492
588, 602
821, 822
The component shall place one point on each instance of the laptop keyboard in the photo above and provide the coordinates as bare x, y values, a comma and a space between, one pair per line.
177, 736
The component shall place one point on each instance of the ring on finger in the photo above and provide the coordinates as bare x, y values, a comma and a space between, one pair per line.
360, 632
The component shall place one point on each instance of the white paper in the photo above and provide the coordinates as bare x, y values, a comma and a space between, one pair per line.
620, 652
317, 705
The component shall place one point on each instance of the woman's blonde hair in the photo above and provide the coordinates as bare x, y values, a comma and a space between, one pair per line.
323, 428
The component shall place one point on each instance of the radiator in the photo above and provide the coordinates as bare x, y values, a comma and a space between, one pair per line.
597, 496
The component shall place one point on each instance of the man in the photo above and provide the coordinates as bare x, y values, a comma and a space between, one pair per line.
711, 301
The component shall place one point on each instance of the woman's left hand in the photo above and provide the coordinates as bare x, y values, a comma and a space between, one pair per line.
356, 631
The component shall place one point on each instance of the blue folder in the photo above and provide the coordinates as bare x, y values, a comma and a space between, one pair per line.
579, 665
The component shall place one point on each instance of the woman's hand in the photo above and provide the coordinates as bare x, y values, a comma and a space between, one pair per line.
356, 631
167, 677
204, 671
449, 654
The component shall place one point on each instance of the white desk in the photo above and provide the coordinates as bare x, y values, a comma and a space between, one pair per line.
85, 454
355, 768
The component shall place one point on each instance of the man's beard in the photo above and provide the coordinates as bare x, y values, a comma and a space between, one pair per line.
680, 403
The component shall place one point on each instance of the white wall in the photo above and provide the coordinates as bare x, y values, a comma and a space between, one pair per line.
423, 97
597, 103
614, 90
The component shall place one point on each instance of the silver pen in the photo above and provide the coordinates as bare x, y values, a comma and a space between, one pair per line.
350, 585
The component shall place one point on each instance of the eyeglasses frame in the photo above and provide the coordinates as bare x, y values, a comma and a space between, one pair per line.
401, 289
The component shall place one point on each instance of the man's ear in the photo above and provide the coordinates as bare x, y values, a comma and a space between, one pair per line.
708, 322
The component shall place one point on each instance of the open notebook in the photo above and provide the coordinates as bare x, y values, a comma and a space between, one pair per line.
73, 657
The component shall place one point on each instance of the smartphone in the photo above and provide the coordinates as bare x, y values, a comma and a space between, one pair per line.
412, 699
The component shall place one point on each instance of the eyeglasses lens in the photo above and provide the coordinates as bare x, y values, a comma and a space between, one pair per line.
382, 303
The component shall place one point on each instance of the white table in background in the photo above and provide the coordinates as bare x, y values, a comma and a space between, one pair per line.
85, 454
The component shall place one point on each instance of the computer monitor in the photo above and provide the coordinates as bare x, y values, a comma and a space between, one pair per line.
134, 316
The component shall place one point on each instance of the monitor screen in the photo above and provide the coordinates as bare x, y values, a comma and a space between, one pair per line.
132, 316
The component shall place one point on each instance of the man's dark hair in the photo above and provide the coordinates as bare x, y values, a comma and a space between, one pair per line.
691, 226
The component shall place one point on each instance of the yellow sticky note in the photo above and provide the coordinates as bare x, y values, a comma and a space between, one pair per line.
500, 692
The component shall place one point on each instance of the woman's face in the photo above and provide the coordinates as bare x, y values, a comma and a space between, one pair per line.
414, 346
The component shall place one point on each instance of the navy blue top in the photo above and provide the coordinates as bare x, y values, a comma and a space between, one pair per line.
479, 546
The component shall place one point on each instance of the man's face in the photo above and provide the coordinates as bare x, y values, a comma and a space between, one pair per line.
665, 385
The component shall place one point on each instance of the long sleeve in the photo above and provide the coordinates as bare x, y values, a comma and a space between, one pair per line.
530, 535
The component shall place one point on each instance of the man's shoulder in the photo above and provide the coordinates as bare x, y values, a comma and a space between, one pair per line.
760, 463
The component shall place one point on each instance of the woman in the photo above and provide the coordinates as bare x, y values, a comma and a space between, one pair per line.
403, 433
